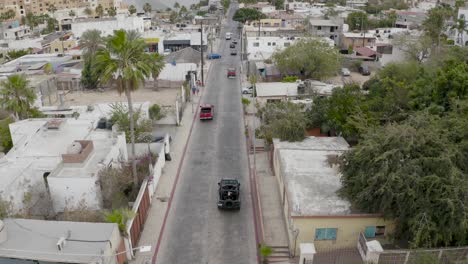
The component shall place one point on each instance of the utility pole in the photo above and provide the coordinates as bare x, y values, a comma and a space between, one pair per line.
362, 30
201, 52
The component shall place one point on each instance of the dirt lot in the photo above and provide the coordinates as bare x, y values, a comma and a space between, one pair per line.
355, 77
163, 97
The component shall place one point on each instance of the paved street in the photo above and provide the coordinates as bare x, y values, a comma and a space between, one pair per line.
196, 231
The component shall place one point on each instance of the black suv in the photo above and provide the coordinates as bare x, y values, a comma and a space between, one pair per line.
232, 45
364, 70
229, 194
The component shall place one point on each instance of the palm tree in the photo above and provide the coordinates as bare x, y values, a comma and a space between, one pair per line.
132, 9
31, 20
112, 11
124, 62
17, 96
147, 8
52, 9
91, 41
99, 10
88, 11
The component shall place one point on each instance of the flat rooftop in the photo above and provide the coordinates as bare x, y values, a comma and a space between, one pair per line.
311, 182
93, 164
37, 239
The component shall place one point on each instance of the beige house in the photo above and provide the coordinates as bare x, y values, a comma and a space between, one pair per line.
350, 39
38, 7
308, 180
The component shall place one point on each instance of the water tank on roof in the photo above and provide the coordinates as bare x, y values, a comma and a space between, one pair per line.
75, 148
3, 232
102, 123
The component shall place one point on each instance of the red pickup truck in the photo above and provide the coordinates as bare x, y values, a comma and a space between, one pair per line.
206, 112
231, 73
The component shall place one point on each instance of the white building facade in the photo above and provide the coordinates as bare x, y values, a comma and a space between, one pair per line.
108, 25
461, 38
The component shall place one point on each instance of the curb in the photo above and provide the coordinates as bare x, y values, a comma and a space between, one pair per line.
174, 186
258, 225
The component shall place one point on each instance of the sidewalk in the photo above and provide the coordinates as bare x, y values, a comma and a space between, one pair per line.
273, 223
150, 233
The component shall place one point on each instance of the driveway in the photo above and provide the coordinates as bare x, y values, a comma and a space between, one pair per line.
196, 231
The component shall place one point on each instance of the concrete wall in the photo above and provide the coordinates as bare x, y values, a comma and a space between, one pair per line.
107, 26
347, 233
69, 192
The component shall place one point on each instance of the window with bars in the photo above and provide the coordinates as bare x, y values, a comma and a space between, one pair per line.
325, 233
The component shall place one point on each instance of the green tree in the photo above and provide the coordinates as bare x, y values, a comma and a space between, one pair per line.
121, 117
125, 62
5, 135
31, 20
311, 58
112, 12
89, 75
176, 5
9, 14
155, 112
415, 174
52, 25
415, 48
248, 14
279, 4
147, 8
173, 17
17, 96
120, 217
99, 10
343, 103
14, 54
52, 9
90, 42
434, 25
226, 4
132, 9
72, 13
183, 11
265, 252
357, 21
88, 11
283, 120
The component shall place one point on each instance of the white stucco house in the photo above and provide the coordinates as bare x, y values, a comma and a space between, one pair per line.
62, 156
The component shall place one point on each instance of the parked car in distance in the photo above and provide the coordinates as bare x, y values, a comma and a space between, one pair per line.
213, 56
232, 45
234, 41
228, 35
247, 90
364, 70
231, 72
206, 112
233, 52
345, 72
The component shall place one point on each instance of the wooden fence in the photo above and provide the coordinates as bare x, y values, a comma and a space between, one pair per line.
140, 208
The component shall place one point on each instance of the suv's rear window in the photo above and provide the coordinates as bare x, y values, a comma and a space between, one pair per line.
206, 110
